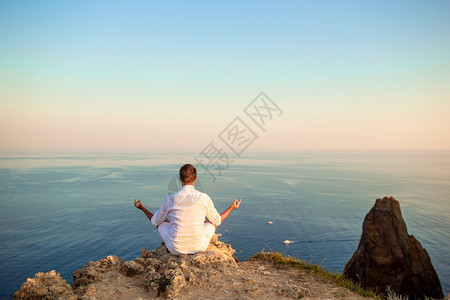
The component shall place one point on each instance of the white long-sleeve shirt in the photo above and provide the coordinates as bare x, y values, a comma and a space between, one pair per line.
187, 210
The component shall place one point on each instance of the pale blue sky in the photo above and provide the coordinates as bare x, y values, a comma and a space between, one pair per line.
142, 76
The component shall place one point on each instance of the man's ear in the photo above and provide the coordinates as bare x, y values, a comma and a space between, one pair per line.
195, 179
180, 179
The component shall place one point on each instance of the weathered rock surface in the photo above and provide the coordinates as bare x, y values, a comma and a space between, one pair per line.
388, 257
157, 272
48, 285
213, 274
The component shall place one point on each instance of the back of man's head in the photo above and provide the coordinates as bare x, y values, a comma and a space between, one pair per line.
188, 173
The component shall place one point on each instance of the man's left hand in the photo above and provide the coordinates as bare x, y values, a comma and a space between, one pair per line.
138, 204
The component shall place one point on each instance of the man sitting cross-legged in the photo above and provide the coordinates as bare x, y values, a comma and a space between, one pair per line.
187, 231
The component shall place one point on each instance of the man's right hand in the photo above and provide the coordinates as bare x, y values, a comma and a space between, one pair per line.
235, 204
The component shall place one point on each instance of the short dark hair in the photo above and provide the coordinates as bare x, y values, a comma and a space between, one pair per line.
188, 173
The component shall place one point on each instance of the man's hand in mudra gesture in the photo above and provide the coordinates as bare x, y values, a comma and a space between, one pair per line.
138, 204
225, 214
236, 203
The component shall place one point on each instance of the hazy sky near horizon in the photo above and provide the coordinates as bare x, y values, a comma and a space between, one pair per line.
136, 76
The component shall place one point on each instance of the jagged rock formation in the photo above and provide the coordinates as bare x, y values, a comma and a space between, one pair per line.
214, 274
157, 271
48, 285
388, 257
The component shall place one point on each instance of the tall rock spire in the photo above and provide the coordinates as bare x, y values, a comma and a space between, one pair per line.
388, 257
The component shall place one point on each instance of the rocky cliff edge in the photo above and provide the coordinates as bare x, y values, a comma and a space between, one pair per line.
158, 274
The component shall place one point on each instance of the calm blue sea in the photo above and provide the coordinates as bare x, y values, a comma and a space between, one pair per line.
60, 211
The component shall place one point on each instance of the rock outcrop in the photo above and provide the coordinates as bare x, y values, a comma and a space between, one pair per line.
157, 272
388, 257
48, 285
214, 274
